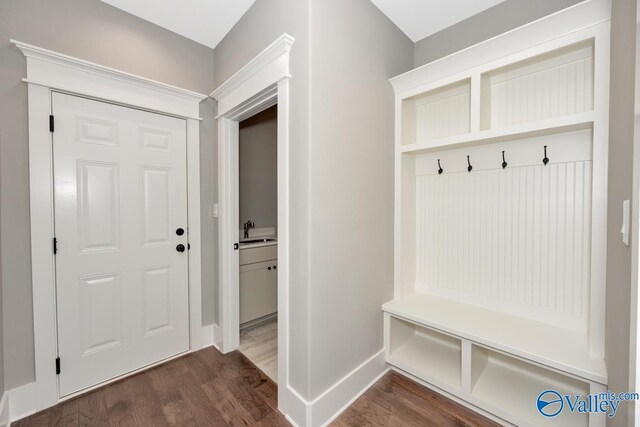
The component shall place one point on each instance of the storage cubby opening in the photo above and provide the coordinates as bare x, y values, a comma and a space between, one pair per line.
436, 114
512, 386
556, 84
425, 352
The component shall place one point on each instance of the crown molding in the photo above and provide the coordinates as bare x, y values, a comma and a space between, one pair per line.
63, 72
268, 56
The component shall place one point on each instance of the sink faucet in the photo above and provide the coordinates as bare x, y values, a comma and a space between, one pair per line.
247, 226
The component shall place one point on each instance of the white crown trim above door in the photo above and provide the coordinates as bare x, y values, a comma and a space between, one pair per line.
49, 72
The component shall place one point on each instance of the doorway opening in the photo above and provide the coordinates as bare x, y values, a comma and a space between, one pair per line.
258, 260
262, 83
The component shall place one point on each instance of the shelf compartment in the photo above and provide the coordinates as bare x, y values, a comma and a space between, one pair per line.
440, 113
425, 353
511, 387
556, 84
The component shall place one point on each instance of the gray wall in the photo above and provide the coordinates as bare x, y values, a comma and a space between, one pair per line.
263, 23
259, 169
485, 25
355, 50
94, 31
621, 127
340, 274
209, 196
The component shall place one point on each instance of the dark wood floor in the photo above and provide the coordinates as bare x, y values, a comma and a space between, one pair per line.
397, 401
207, 388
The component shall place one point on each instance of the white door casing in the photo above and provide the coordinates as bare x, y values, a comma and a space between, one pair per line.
49, 71
120, 195
261, 83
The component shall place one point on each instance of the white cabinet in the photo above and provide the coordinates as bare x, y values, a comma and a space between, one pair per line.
500, 218
258, 288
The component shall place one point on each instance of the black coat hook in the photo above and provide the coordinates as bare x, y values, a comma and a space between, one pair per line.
546, 159
504, 162
440, 170
470, 168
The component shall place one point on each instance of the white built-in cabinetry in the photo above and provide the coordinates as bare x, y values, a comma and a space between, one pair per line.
258, 283
500, 226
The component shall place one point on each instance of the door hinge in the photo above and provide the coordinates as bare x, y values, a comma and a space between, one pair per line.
55, 246
57, 366
51, 125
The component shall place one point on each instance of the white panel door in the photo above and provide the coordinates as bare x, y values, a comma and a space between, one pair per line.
120, 198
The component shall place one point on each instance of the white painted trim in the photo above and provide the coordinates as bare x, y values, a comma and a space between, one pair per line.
106, 84
272, 53
325, 408
260, 84
194, 233
217, 337
208, 336
269, 66
58, 71
5, 415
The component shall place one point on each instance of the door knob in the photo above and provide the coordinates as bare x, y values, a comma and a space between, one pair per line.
180, 248
180, 231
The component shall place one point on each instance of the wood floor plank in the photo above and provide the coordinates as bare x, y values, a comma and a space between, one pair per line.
92, 411
269, 392
118, 404
65, 414
208, 388
231, 409
198, 404
274, 419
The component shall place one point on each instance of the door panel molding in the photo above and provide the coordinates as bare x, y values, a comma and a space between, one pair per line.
49, 71
130, 318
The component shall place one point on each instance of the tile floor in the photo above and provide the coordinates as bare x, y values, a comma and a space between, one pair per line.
259, 344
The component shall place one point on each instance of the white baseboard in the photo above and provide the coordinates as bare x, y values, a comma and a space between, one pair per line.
217, 337
26, 400
330, 404
5, 416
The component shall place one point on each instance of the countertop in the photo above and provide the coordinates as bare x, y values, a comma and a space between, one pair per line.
258, 244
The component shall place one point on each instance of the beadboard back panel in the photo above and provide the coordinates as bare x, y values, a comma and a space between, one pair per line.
516, 239
553, 85
440, 113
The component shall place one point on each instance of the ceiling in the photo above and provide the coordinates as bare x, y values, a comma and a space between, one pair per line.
421, 18
204, 21
208, 21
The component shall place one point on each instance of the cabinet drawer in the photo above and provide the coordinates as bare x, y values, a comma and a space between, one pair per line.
261, 254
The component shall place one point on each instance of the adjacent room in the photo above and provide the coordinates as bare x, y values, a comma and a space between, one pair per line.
319, 212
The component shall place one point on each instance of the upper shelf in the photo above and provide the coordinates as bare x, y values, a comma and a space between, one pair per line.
554, 125
552, 346
549, 92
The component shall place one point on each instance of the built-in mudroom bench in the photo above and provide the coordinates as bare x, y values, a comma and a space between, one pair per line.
500, 219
